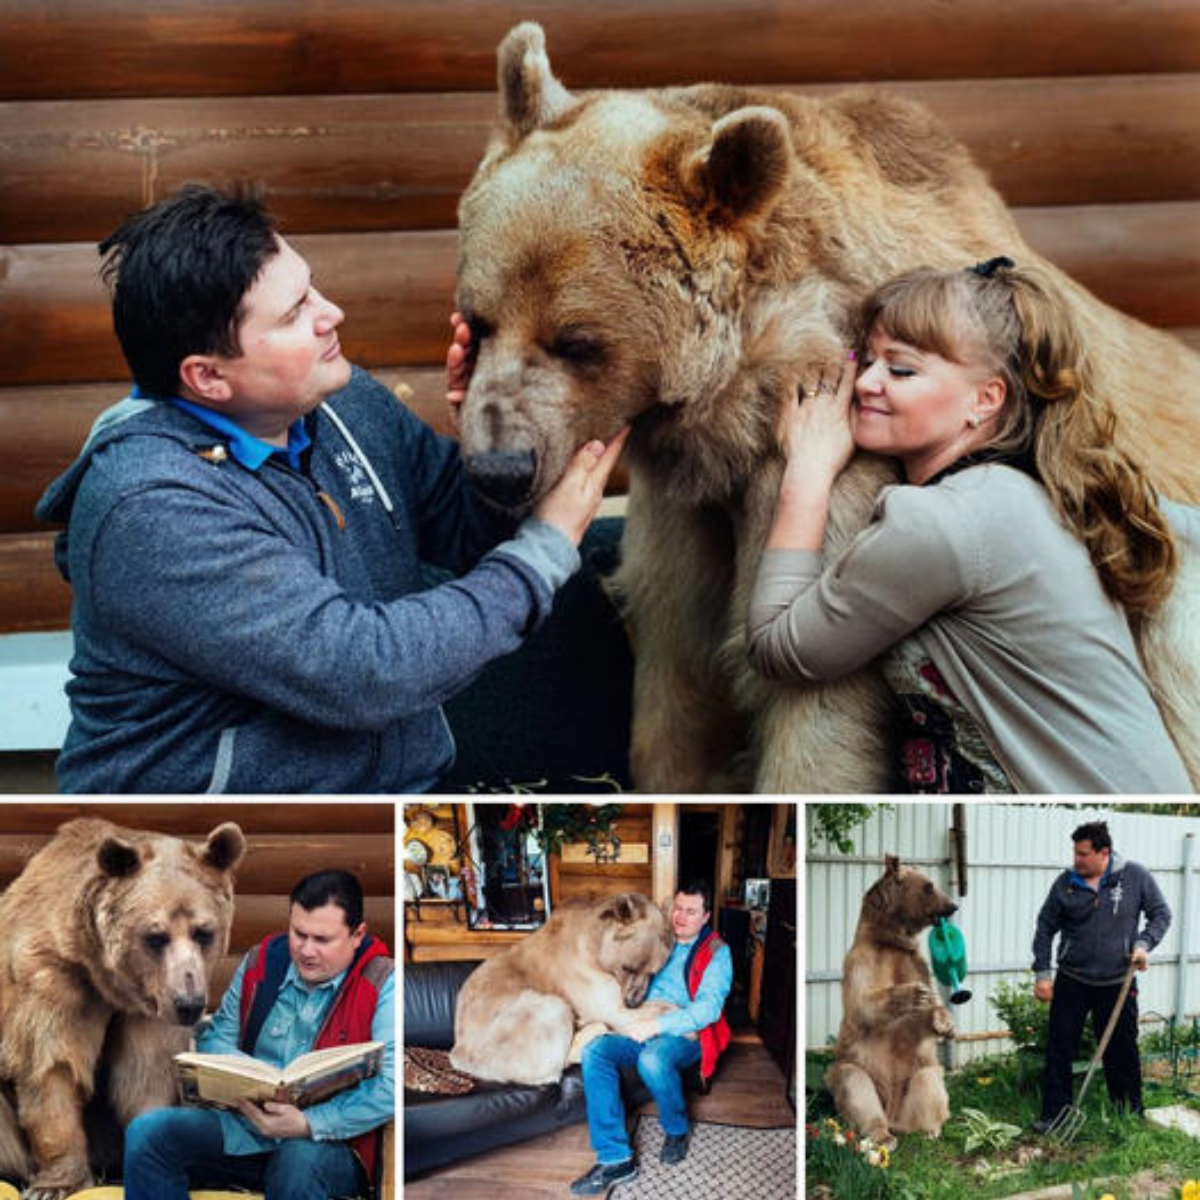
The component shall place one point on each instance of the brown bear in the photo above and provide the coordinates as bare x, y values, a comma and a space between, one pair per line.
590, 963
108, 938
681, 259
885, 1075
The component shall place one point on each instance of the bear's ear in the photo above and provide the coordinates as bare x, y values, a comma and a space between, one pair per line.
746, 166
225, 847
118, 858
623, 909
530, 95
892, 863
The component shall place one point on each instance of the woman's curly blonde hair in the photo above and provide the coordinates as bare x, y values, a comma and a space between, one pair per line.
1014, 320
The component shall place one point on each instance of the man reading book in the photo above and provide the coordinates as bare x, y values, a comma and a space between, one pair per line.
326, 982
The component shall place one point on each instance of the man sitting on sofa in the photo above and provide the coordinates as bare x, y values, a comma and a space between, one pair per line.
696, 979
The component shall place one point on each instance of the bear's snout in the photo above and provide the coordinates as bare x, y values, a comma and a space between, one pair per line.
505, 477
188, 1009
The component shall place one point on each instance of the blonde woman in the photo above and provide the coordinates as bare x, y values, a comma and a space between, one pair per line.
999, 582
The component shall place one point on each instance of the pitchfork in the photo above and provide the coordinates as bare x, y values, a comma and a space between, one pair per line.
1070, 1120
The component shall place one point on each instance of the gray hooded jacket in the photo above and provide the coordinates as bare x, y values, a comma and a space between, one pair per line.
268, 631
1098, 930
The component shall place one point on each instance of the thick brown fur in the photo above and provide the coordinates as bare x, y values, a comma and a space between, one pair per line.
517, 1013
108, 938
885, 1076
681, 259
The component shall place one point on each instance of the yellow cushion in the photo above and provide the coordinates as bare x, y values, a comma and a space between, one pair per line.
8, 1192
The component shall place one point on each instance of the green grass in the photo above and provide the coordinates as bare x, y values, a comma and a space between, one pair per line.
1109, 1146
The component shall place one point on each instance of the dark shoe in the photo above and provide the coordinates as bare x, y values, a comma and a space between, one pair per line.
600, 1178
675, 1148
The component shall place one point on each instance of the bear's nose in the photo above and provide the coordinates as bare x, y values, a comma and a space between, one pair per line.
188, 1011
504, 476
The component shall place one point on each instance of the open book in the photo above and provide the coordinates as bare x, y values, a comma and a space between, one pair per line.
223, 1079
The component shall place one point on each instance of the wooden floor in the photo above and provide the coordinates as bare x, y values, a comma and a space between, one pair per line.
749, 1090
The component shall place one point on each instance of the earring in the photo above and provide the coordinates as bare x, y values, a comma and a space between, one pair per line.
973, 421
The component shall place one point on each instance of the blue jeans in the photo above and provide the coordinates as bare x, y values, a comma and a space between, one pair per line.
659, 1063
169, 1148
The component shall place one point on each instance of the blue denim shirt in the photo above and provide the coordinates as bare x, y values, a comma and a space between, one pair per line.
670, 985
290, 1030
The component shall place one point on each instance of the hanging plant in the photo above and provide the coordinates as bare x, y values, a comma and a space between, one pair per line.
561, 824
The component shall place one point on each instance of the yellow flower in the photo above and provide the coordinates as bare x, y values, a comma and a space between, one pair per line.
1108, 1196
984, 1081
1191, 1190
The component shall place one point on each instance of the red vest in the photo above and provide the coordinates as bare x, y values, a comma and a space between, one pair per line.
715, 1037
348, 1020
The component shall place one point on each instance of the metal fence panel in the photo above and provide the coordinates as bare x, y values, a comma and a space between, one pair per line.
1014, 853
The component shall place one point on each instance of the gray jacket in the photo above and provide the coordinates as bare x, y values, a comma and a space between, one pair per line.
271, 630
1098, 930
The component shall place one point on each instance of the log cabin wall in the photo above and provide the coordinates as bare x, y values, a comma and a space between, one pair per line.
284, 842
362, 121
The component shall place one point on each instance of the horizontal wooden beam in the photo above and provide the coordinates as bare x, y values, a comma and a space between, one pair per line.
33, 596
73, 170
227, 47
192, 820
397, 288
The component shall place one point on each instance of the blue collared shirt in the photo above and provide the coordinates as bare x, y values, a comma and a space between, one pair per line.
250, 451
290, 1030
670, 985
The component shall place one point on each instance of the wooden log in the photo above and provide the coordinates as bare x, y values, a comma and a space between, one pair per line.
198, 47
258, 914
33, 595
274, 863
398, 288
193, 819
74, 169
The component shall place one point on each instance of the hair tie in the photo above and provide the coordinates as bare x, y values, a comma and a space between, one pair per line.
989, 268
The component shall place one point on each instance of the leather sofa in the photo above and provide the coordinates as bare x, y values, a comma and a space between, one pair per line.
439, 1130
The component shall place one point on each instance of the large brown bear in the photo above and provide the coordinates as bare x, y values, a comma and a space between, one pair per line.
885, 1076
590, 963
108, 938
681, 258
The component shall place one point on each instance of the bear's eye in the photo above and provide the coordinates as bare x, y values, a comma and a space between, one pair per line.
203, 937
579, 348
156, 943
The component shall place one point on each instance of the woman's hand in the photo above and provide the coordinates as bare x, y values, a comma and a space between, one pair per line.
572, 502
818, 441
459, 360
817, 435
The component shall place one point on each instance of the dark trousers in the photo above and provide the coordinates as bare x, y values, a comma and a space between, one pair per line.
1069, 1008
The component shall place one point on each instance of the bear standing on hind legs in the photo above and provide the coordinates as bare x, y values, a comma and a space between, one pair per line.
886, 1077
107, 942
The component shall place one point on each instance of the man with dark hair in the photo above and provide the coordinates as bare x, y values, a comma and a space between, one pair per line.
325, 982
1096, 908
245, 536
696, 979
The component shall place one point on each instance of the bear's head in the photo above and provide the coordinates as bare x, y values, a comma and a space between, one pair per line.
160, 910
635, 943
605, 246
905, 900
